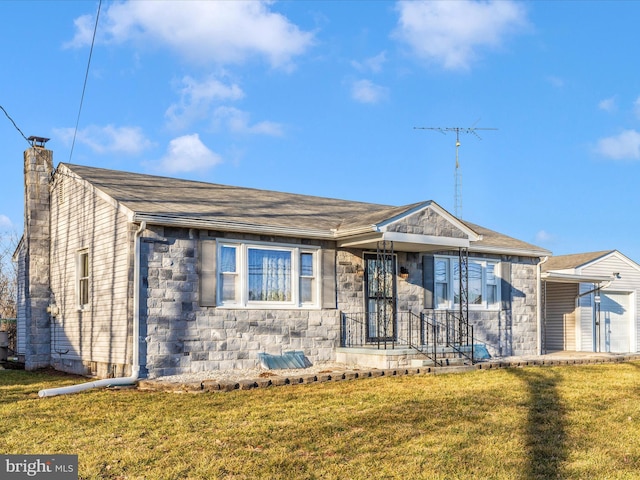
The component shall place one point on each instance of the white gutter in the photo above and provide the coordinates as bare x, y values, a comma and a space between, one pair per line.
539, 305
135, 350
229, 226
523, 252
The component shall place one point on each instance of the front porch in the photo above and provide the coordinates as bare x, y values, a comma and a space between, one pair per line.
407, 339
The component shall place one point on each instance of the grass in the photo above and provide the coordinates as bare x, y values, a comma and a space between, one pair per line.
577, 422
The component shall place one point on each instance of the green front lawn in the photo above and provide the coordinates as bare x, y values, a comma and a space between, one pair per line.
538, 422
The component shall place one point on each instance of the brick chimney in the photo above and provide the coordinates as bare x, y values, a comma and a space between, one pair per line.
38, 168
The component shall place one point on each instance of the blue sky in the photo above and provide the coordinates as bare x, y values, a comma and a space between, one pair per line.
322, 97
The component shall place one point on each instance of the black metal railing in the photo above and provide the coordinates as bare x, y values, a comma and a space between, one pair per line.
434, 333
368, 329
453, 331
404, 330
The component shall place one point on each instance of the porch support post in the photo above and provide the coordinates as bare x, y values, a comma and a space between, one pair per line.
463, 262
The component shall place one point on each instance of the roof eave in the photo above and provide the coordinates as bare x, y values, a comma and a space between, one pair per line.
403, 241
573, 278
209, 224
522, 252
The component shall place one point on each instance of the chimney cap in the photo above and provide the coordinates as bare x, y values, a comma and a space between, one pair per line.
38, 141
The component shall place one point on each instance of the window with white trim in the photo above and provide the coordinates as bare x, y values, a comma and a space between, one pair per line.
255, 274
483, 283
82, 278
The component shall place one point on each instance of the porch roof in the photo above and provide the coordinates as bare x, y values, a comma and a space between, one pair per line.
562, 277
404, 242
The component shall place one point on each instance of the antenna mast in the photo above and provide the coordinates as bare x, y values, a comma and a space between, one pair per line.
457, 195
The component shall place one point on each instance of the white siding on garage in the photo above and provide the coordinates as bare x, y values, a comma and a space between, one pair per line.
628, 283
560, 317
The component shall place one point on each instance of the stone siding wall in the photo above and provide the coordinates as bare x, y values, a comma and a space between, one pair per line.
524, 309
182, 337
505, 332
350, 281
511, 332
427, 222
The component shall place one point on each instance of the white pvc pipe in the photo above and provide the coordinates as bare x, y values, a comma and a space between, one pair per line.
135, 350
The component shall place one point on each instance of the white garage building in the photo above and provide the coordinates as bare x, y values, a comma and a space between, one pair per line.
590, 303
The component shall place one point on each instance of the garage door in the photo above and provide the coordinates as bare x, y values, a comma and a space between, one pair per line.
615, 318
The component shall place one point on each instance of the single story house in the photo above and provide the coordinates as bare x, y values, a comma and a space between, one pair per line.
125, 274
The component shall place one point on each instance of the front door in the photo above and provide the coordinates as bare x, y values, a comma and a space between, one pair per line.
380, 297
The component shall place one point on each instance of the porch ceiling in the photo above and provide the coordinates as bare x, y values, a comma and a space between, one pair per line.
404, 242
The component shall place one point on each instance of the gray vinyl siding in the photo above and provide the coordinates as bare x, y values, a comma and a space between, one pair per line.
560, 318
81, 219
629, 282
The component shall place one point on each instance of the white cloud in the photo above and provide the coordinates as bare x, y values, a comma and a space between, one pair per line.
84, 32
365, 91
608, 104
202, 32
636, 107
543, 236
451, 33
373, 64
625, 146
196, 99
238, 121
188, 154
555, 81
108, 139
5, 223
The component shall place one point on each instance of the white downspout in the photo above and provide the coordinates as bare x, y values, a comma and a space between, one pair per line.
135, 349
539, 305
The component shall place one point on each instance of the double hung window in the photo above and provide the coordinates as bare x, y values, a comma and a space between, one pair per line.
482, 283
82, 278
267, 274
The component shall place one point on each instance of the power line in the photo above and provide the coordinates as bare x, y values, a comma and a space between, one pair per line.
86, 76
457, 195
14, 124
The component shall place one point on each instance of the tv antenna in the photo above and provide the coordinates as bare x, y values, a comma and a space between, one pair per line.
457, 195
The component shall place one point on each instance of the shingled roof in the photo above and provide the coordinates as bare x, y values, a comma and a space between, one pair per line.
188, 201
156, 195
493, 240
576, 260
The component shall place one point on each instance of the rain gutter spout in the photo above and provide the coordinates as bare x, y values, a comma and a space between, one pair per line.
135, 349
